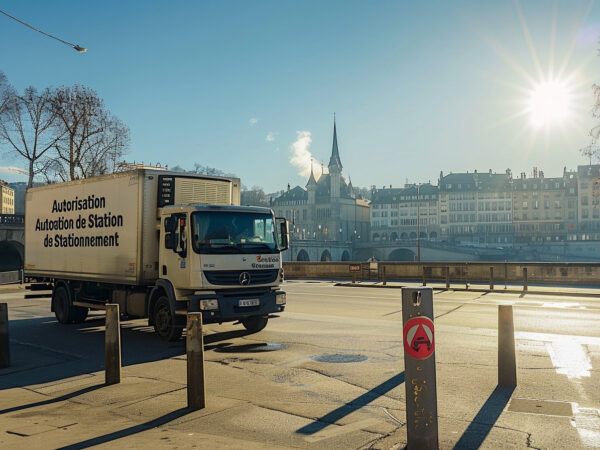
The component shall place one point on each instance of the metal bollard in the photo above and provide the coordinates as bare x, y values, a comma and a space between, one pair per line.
419, 368
466, 275
4, 338
112, 349
524, 278
491, 278
447, 277
507, 364
353, 277
505, 274
196, 391
22, 273
383, 273
423, 273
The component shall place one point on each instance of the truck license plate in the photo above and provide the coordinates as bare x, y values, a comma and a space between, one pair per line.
249, 302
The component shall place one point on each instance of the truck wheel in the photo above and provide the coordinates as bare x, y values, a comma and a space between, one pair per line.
255, 323
164, 323
62, 305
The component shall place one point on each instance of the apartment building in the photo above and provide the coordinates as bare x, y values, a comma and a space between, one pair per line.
7, 198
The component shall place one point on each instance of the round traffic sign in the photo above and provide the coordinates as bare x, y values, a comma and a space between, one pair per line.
419, 337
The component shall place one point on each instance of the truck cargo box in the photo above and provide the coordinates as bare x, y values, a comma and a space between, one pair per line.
105, 228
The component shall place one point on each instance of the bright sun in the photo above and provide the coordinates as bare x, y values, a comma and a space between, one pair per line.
549, 103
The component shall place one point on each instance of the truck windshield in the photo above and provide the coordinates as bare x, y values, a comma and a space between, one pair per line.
233, 232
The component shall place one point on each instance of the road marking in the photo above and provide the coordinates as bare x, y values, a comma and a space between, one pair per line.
333, 431
587, 423
569, 358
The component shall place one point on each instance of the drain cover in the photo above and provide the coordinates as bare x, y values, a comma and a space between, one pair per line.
339, 358
251, 348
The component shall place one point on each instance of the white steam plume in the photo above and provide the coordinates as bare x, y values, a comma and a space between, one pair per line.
301, 156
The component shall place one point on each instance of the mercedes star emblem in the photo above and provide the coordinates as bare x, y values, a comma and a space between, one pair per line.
244, 278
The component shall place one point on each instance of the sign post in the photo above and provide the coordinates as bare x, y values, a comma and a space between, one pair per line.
419, 368
354, 269
112, 345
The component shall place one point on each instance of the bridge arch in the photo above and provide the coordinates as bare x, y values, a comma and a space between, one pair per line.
346, 256
11, 255
325, 256
302, 256
401, 254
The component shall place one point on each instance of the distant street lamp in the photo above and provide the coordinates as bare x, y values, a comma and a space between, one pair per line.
74, 46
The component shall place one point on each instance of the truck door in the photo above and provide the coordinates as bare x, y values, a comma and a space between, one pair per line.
175, 250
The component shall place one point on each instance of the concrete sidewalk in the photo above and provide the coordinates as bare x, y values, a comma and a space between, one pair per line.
54, 396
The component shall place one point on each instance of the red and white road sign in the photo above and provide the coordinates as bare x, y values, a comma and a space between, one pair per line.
419, 337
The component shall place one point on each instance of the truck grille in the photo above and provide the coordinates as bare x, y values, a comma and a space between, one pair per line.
232, 277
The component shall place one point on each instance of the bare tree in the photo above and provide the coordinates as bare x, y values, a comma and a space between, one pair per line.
92, 141
207, 170
6, 92
27, 126
592, 151
254, 196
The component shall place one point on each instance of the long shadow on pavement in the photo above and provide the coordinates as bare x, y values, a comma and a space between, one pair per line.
51, 351
484, 421
353, 405
53, 400
162, 420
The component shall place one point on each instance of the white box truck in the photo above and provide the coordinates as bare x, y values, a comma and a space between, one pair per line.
159, 244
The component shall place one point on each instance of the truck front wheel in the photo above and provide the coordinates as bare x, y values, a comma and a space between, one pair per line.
255, 323
164, 321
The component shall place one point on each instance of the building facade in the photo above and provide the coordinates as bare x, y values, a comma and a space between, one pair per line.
7, 198
395, 211
327, 209
588, 185
545, 209
492, 209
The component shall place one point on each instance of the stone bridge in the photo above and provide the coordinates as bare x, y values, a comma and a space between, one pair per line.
313, 250
316, 251
407, 250
12, 241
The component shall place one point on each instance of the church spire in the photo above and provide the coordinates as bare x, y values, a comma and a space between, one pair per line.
311, 180
335, 163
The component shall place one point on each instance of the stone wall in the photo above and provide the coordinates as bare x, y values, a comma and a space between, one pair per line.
581, 274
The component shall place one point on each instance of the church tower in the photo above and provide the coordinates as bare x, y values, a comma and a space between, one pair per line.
335, 166
311, 186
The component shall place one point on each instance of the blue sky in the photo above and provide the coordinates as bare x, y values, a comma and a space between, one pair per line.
417, 87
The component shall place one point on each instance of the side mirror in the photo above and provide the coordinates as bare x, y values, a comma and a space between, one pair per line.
284, 233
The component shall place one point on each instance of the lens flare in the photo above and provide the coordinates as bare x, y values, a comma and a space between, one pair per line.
549, 103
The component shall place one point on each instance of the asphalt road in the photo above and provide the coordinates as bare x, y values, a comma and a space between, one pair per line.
328, 373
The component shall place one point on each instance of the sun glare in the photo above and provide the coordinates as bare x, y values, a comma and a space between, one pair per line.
549, 103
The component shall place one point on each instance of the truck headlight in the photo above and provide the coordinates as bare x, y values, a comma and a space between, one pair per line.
209, 304
280, 299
